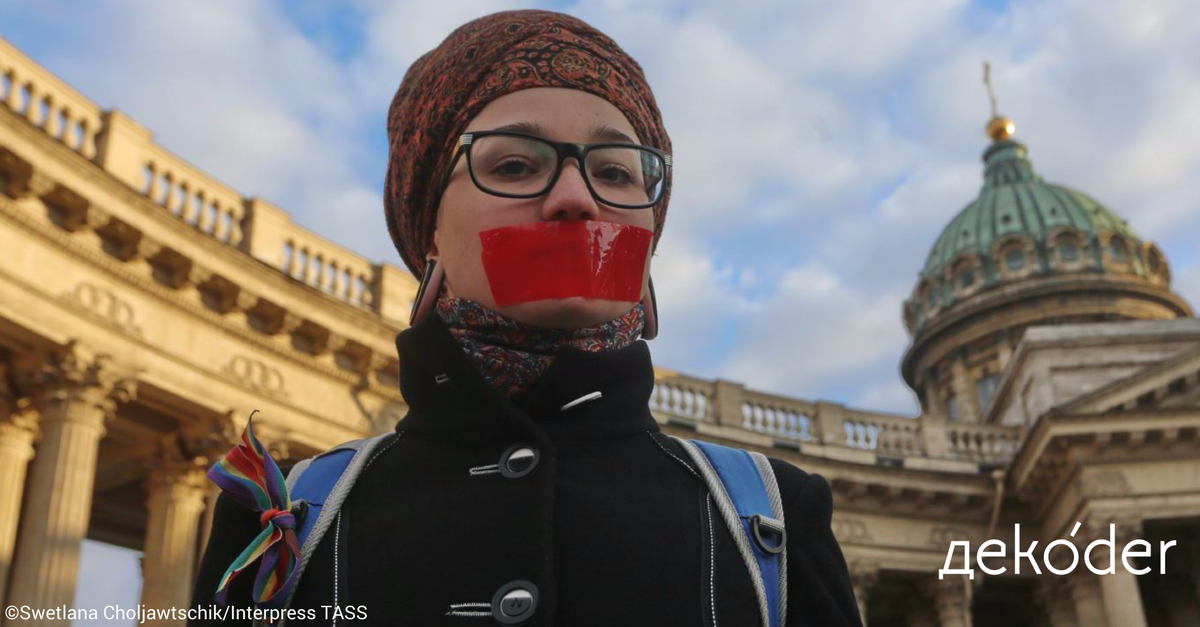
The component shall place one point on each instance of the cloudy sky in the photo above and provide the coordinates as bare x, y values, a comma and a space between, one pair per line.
820, 146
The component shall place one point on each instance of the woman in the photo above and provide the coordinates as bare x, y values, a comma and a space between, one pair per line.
529, 466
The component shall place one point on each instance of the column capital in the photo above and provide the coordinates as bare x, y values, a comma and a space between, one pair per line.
864, 574
208, 439
18, 420
21, 427
952, 597
177, 470
75, 384
1127, 527
276, 439
1081, 583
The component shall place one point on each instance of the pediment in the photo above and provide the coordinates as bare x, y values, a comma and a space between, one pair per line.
1171, 383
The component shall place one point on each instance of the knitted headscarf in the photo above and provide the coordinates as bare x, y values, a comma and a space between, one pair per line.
480, 61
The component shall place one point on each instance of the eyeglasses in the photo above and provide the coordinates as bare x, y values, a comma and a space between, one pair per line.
517, 165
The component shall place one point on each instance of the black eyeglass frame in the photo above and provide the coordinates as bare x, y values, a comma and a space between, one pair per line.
564, 150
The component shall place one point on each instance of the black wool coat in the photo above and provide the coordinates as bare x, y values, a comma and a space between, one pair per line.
611, 526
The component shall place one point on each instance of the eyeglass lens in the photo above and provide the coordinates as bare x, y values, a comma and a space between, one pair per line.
519, 165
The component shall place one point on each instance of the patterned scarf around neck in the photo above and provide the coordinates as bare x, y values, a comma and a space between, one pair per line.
512, 355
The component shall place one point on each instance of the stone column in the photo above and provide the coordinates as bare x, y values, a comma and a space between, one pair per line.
964, 390
1122, 598
1055, 599
952, 596
1089, 601
210, 512
1004, 350
176, 486
77, 394
209, 441
18, 429
863, 577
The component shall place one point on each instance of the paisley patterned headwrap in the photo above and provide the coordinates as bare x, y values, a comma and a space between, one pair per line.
480, 61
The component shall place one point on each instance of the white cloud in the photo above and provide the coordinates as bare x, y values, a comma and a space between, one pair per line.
820, 147
816, 331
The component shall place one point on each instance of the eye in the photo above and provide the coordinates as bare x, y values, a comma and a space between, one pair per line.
614, 173
513, 167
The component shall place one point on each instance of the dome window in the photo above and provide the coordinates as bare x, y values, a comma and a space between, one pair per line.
985, 388
1154, 261
1014, 259
931, 299
966, 278
1068, 251
1117, 250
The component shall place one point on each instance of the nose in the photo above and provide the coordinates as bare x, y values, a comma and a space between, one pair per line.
570, 198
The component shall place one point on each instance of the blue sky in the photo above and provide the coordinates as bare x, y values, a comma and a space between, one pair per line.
820, 146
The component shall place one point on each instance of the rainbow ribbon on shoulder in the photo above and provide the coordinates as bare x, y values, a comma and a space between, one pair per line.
249, 476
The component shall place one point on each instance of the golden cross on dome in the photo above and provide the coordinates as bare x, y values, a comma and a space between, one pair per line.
999, 127
987, 80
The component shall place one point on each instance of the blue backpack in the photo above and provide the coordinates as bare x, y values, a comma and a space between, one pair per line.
741, 483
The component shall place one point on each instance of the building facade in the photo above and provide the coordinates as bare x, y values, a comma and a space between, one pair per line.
146, 309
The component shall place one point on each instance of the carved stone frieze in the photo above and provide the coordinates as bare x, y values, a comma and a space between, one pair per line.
1104, 483
102, 303
255, 374
941, 536
851, 529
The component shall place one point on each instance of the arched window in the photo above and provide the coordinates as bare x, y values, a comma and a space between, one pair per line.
952, 408
1014, 259
985, 388
1118, 250
1068, 250
1153, 260
966, 277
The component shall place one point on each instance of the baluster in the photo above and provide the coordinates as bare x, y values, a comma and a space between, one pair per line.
50, 117
368, 292
154, 187
87, 140
13, 99
220, 224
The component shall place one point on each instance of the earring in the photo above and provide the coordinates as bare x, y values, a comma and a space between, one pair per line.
650, 305
427, 293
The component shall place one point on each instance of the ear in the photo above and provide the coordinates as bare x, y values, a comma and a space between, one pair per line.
427, 292
433, 253
650, 305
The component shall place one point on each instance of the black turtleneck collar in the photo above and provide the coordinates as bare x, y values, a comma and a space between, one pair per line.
448, 397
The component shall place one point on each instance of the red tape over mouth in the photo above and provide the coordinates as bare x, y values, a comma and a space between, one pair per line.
565, 258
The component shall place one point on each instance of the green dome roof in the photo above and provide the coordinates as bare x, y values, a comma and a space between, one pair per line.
1015, 199
1022, 228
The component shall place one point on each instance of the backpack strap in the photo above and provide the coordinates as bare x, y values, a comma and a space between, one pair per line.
322, 483
743, 485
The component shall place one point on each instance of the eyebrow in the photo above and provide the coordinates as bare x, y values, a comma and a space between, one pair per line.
599, 131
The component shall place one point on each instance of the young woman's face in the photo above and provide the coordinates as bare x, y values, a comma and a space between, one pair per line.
563, 115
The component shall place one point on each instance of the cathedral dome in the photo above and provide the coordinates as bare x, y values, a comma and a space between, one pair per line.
1023, 253
1022, 227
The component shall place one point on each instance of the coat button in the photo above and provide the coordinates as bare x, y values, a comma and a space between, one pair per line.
518, 461
515, 602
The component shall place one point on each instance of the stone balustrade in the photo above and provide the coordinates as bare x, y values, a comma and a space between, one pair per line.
127, 151
690, 402
47, 102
